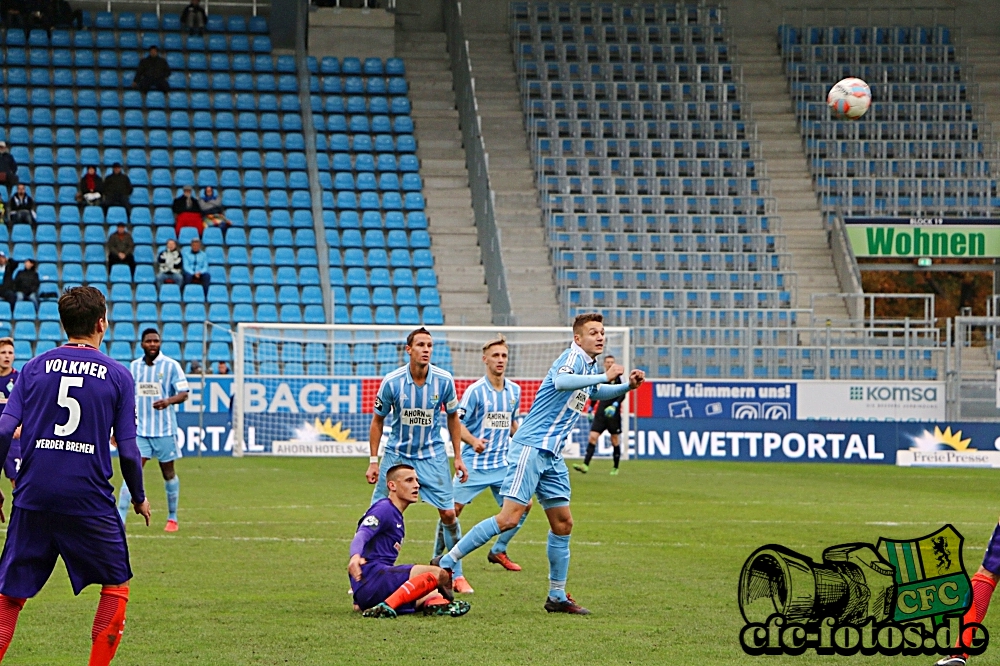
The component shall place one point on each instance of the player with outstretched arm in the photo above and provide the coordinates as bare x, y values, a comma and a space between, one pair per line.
536, 466
410, 398
381, 588
69, 400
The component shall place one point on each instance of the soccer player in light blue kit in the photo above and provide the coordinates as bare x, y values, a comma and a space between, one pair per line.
488, 410
535, 463
410, 399
159, 385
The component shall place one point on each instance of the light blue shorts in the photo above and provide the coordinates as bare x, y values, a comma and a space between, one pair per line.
532, 471
163, 449
478, 481
434, 475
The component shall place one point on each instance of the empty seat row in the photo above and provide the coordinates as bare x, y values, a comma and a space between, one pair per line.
624, 34
681, 224
292, 142
379, 258
649, 167
133, 99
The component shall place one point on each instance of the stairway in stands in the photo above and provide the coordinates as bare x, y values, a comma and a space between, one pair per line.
458, 263
765, 87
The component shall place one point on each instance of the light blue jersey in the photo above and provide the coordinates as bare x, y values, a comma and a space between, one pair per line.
412, 410
488, 414
554, 413
164, 379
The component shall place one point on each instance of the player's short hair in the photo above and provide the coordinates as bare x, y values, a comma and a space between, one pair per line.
413, 334
495, 342
586, 318
611, 356
6, 342
394, 471
147, 331
80, 308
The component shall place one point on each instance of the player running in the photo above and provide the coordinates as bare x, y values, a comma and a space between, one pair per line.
536, 464
8, 377
488, 409
607, 419
69, 401
411, 397
159, 385
382, 588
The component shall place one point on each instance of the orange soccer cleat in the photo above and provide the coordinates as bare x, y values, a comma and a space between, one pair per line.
171, 526
504, 561
461, 585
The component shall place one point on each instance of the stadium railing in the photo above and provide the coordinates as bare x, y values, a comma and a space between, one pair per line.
231, 6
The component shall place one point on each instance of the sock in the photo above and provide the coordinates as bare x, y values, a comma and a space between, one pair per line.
412, 590
451, 535
10, 607
616, 453
439, 548
109, 624
501, 545
591, 449
124, 502
982, 590
476, 537
173, 487
558, 551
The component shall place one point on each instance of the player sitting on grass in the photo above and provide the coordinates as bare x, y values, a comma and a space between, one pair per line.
69, 399
607, 418
381, 587
537, 467
410, 398
488, 409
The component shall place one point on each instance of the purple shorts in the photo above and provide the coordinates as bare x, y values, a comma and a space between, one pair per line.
92, 547
13, 460
378, 581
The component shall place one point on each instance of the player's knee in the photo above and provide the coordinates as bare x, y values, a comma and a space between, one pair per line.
986, 572
448, 516
508, 521
442, 576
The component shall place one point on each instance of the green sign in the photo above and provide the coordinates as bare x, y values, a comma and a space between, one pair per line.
879, 237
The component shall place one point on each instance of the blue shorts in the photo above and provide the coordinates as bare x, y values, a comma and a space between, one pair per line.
434, 475
378, 581
532, 471
163, 449
13, 462
478, 481
92, 547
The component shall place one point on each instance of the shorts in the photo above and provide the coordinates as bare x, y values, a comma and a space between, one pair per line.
434, 475
378, 581
602, 423
478, 481
92, 547
13, 461
163, 449
533, 471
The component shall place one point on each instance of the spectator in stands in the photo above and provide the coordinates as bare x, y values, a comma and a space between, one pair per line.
187, 212
194, 17
91, 187
196, 265
26, 282
194, 368
121, 248
8, 166
222, 368
12, 13
170, 264
37, 14
8, 266
212, 212
21, 207
117, 189
153, 72
62, 15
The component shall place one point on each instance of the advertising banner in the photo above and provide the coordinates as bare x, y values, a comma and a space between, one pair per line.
923, 237
871, 401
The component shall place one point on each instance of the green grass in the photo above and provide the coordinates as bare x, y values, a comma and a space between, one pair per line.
257, 573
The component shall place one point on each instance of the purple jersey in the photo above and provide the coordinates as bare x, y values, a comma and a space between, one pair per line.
68, 401
380, 533
6, 386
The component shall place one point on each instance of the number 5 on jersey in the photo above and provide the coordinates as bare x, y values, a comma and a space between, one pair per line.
68, 402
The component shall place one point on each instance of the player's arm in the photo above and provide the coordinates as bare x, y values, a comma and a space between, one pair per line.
129, 458
181, 392
450, 400
8, 424
383, 403
467, 410
368, 528
612, 391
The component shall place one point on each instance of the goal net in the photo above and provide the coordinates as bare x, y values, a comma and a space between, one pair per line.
309, 390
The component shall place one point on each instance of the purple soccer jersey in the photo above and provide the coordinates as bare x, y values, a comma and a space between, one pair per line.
379, 537
10, 465
69, 401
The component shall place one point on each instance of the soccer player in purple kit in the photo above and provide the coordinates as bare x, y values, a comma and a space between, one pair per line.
70, 401
381, 587
8, 377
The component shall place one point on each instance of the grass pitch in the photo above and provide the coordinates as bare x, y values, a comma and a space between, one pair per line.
257, 573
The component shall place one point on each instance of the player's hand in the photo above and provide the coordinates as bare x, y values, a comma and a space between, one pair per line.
161, 404
461, 471
478, 444
142, 510
636, 378
372, 473
17, 433
614, 372
354, 567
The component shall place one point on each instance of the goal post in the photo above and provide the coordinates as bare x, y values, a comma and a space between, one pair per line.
308, 390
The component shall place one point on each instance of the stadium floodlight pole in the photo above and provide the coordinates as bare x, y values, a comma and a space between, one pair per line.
201, 405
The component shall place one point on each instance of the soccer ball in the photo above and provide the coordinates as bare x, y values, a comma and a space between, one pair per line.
849, 98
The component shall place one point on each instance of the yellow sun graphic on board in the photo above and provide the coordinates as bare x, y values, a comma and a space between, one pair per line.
954, 440
334, 432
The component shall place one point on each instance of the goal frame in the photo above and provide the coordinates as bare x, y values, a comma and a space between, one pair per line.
243, 328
